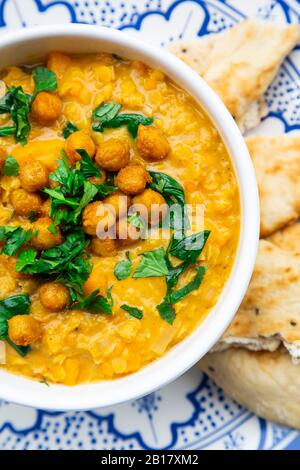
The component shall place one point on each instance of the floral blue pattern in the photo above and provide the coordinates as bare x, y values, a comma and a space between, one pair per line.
191, 413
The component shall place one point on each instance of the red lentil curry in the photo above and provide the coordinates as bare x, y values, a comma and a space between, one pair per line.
79, 132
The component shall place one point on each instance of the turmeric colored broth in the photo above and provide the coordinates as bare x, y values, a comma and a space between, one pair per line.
77, 346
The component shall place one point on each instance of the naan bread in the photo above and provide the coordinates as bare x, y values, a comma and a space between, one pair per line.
277, 167
266, 383
287, 239
270, 312
240, 63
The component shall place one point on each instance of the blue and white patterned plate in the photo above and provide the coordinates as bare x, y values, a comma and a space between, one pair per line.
191, 413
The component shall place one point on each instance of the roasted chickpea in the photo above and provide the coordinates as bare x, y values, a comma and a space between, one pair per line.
33, 175
79, 140
3, 155
118, 202
106, 247
96, 213
98, 179
24, 202
127, 233
113, 154
152, 144
132, 179
54, 296
46, 207
46, 108
24, 330
151, 205
42, 238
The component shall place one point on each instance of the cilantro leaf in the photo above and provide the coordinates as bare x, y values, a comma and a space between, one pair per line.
96, 303
45, 79
133, 311
153, 264
69, 129
20, 110
11, 167
123, 268
87, 165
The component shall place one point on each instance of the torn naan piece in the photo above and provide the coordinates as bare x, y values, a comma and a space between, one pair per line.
266, 383
277, 167
287, 239
270, 312
240, 63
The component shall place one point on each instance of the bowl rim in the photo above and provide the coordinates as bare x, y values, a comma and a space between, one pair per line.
180, 358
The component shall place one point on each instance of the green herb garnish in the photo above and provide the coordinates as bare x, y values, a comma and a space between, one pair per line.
20, 110
88, 167
69, 129
14, 238
152, 264
66, 263
11, 167
106, 116
133, 311
9, 307
188, 248
32, 216
96, 303
45, 79
173, 193
123, 268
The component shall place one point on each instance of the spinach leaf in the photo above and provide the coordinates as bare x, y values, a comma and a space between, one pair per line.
188, 248
133, 311
69, 129
153, 264
173, 193
22, 350
131, 120
166, 311
6, 103
14, 238
10, 167
45, 79
103, 114
123, 268
96, 303
87, 165
14, 305
167, 186
106, 116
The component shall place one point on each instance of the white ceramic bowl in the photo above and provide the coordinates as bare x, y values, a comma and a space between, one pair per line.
33, 44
